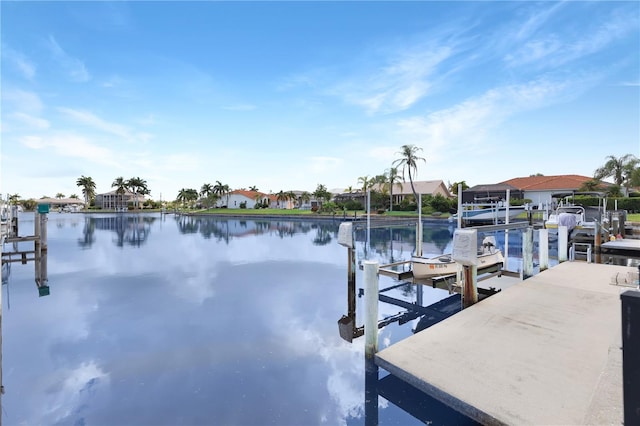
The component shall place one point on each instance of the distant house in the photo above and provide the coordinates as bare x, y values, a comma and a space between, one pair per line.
491, 192
66, 204
542, 189
425, 187
237, 197
115, 201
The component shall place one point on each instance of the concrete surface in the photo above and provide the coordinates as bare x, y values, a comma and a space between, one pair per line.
545, 351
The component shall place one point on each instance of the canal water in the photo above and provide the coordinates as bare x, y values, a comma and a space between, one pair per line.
154, 320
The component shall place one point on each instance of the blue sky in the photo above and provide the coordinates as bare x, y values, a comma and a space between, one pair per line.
287, 95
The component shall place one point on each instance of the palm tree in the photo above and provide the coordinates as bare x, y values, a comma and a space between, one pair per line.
253, 188
74, 196
393, 178
13, 199
88, 188
136, 185
305, 197
621, 169
291, 196
121, 188
183, 194
366, 182
281, 196
349, 189
409, 162
206, 190
59, 195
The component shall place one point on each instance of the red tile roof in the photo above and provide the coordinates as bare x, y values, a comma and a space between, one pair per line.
545, 183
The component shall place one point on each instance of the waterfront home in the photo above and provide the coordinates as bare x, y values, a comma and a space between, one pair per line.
66, 204
115, 201
425, 187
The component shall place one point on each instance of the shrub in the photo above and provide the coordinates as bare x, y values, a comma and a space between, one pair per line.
243, 205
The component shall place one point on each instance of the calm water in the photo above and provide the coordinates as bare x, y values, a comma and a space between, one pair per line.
161, 320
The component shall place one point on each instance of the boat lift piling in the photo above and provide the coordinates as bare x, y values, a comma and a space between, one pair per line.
371, 283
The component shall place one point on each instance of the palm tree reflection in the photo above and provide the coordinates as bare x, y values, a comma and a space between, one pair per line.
130, 230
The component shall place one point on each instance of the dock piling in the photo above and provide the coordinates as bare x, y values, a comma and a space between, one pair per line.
543, 235
563, 241
470, 289
527, 253
371, 311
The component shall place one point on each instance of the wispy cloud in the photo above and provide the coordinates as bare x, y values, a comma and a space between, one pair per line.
26, 67
561, 47
30, 120
24, 101
73, 66
468, 124
92, 120
405, 78
71, 145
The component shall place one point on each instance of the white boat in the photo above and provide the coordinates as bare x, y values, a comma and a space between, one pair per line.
444, 265
490, 214
573, 217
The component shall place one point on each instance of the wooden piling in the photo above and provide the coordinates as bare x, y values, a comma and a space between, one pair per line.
563, 238
371, 303
470, 289
543, 240
43, 232
527, 253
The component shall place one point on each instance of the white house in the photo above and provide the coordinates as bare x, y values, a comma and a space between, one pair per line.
237, 197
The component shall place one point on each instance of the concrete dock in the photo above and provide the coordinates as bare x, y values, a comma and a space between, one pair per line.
544, 351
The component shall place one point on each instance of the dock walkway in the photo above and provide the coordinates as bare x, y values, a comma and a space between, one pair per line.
544, 351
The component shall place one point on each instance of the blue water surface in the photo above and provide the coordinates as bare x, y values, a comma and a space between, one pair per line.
170, 320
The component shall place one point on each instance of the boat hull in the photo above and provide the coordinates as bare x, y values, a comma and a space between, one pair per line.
441, 266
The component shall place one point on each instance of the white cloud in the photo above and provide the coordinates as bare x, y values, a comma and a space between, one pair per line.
73, 66
96, 122
20, 62
403, 81
467, 124
24, 101
71, 145
30, 120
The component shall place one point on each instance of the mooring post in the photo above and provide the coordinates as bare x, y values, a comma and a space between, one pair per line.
36, 232
563, 237
371, 290
597, 242
470, 290
43, 231
630, 356
351, 284
527, 253
543, 237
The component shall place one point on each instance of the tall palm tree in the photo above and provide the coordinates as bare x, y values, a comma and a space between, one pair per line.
136, 185
621, 169
365, 181
59, 195
281, 196
305, 197
393, 178
206, 190
253, 188
88, 188
409, 162
121, 188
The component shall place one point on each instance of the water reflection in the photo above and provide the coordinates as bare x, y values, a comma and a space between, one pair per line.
199, 322
130, 230
224, 230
